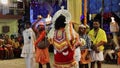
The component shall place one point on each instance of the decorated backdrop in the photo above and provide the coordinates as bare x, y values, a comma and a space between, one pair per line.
45, 7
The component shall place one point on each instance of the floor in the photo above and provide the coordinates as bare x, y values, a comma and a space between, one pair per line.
19, 63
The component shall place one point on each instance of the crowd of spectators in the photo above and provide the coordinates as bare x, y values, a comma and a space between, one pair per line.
10, 46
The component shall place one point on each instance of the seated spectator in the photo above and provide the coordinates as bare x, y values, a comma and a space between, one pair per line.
17, 48
1, 49
110, 48
8, 47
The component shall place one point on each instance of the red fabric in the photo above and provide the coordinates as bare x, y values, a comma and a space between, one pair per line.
60, 58
118, 58
1, 48
41, 36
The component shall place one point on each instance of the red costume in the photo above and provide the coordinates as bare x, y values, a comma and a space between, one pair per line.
64, 40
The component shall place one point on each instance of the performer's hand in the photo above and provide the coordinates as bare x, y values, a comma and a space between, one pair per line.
96, 49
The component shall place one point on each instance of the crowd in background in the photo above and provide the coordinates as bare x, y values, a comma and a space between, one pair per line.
10, 46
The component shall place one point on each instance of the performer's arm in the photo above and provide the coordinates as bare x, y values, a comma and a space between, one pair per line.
41, 36
100, 43
34, 26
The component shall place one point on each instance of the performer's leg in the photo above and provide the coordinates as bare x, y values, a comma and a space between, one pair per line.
48, 65
32, 62
78, 64
99, 64
92, 64
81, 66
27, 62
40, 65
86, 66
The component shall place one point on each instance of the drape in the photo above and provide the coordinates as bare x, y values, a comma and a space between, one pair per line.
75, 8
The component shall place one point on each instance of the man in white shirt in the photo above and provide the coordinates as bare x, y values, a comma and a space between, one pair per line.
28, 50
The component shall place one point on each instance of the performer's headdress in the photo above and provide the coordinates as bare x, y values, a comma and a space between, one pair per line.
39, 16
63, 12
82, 26
68, 27
70, 32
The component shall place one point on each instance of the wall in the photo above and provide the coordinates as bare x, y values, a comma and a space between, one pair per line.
12, 23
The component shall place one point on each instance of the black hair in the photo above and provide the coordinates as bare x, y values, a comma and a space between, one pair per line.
111, 35
96, 20
60, 22
27, 22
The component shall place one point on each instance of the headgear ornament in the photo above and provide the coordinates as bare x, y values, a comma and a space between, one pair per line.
82, 26
63, 12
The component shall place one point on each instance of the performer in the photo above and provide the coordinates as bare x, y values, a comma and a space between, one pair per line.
28, 50
64, 39
85, 50
42, 55
98, 38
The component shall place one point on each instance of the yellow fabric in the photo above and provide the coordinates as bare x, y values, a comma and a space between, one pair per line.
60, 45
16, 44
101, 36
75, 8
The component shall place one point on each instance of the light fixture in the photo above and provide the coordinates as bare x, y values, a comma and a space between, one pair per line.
4, 1
19, 0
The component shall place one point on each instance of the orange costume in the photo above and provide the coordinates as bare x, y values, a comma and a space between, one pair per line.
42, 55
118, 60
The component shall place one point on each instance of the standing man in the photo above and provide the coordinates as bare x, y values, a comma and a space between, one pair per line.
28, 50
42, 55
85, 50
98, 38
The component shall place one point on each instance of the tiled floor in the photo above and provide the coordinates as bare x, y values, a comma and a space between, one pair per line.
19, 63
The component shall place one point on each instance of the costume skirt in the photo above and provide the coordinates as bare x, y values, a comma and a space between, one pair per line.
42, 55
69, 65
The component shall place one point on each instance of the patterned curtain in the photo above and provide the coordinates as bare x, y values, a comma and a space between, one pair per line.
94, 6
